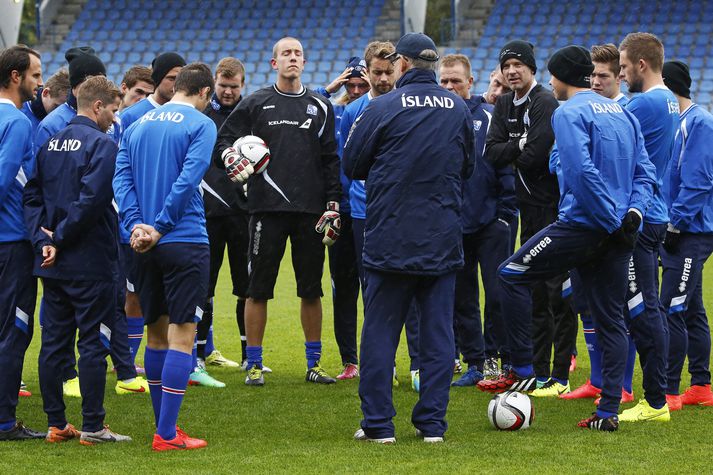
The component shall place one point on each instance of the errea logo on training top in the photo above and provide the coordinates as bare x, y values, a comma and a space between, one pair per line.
67, 145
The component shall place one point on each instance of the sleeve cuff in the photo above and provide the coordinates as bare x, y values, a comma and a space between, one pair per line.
641, 216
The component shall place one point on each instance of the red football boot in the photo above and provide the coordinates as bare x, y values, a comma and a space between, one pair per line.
700, 395
182, 441
625, 397
674, 402
585, 391
508, 382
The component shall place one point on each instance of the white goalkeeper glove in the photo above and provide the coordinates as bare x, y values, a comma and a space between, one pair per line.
329, 223
238, 168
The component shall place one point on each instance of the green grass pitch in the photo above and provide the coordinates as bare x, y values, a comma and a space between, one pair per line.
289, 426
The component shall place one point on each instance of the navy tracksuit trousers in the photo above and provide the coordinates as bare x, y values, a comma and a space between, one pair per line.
387, 302
486, 248
413, 316
345, 291
646, 318
682, 298
18, 292
494, 337
90, 308
602, 266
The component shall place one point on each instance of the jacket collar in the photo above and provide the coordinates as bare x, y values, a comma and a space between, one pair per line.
413, 76
218, 107
475, 102
37, 107
71, 100
83, 120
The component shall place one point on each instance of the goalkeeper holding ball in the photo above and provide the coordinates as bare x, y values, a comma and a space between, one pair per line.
297, 196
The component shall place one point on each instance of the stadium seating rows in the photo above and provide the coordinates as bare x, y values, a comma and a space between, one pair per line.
127, 32
684, 27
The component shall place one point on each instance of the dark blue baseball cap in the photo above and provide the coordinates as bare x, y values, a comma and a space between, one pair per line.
358, 65
412, 45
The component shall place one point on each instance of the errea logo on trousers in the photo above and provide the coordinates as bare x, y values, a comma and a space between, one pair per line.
536, 249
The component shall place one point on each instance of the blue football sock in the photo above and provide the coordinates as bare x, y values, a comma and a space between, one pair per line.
194, 354
523, 371
313, 352
153, 362
254, 356
6, 426
174, 380
630, 364
595, 354
209, 345
135, 328
604, 414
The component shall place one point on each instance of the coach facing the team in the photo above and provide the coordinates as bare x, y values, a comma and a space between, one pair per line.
412, 238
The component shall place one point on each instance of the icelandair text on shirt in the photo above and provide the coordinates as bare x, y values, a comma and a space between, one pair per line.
426, 101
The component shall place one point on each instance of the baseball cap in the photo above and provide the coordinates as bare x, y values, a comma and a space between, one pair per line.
412, 44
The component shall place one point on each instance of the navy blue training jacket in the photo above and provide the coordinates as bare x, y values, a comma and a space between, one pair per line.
70, 194
414, 147
489, 193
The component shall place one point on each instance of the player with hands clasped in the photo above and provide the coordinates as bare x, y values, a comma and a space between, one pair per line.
296, 196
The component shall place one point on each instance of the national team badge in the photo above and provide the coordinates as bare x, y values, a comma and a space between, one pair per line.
311, 109
477, 124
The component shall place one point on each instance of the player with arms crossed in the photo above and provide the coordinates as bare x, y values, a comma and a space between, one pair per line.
287, 199
161, 162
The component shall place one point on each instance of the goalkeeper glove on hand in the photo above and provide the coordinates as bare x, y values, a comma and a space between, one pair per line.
670, 242
238, 168
329, 223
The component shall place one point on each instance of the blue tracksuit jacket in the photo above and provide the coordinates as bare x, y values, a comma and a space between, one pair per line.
600, 161
658, 115
162, 160
16, 165
690, 180
489, 193
413, 222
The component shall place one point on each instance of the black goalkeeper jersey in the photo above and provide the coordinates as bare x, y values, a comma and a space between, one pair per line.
221, 196
303, 173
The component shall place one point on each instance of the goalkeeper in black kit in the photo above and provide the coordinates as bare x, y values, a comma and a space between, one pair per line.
297, 196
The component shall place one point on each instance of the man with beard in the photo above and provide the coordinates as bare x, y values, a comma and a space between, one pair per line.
657, 109
20, 76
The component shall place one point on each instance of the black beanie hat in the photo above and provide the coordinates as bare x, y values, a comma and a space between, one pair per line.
520, 50
163, 63
572, 65
83, 62
677, 78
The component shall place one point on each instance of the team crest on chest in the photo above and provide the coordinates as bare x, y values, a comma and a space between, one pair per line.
311, 109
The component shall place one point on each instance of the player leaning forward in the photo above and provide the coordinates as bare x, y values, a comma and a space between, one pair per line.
299, 190
590, 234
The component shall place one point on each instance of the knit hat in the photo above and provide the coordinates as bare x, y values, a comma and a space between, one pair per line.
677, 78
163, 63
83, 62
358, 65
572, 65
520, 50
